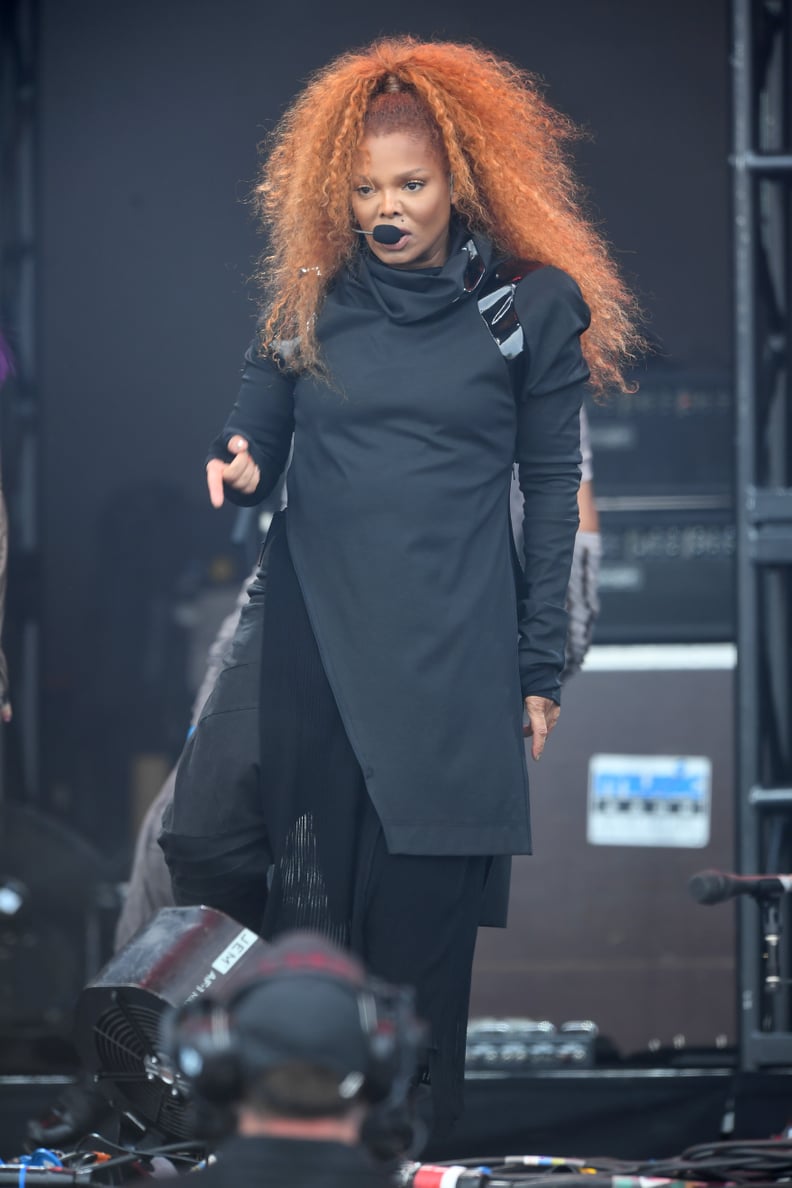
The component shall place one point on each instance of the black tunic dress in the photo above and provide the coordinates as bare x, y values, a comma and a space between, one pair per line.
395, 655
398, 530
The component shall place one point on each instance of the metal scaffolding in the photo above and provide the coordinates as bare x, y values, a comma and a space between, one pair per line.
762, 191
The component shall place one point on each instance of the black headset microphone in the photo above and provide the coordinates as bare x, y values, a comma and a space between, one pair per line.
383, 233
713, 886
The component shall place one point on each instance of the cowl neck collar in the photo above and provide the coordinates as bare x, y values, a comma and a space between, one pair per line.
413, 294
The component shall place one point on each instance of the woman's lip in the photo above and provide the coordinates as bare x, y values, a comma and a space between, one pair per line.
394, 247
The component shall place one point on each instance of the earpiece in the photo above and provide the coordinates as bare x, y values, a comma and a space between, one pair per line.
196, 1041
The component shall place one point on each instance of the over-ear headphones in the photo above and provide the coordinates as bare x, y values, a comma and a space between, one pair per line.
309, 1003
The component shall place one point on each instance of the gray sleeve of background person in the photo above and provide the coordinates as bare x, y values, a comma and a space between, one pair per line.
582, 600
149, 886
586, 462
583, 593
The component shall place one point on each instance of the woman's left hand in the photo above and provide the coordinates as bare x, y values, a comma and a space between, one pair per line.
542, 716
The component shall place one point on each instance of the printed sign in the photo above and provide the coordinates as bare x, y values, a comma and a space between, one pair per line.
649, 800
231, 954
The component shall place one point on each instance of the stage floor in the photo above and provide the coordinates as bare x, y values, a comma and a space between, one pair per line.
622, 1113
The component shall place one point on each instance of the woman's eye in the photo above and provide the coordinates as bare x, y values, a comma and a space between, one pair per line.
363, 190
413, 186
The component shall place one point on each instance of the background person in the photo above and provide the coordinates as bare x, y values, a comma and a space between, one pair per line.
309, 1056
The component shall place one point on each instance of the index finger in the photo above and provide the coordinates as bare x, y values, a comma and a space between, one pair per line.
539, 731
214, 481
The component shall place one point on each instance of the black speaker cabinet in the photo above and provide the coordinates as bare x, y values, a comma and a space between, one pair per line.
608, 931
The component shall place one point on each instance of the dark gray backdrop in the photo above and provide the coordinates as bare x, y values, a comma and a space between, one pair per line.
150, 113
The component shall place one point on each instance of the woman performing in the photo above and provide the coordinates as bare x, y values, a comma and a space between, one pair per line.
429, 279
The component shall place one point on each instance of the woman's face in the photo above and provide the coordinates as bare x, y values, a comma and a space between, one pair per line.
400, 179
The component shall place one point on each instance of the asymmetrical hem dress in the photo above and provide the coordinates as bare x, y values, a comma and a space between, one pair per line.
397, 645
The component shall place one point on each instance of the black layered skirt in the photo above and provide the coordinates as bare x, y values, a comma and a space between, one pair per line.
299, 844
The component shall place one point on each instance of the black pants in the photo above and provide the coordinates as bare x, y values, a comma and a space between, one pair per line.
293, 841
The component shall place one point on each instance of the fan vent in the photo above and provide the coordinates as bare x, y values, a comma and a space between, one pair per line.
178, 955
125, 1035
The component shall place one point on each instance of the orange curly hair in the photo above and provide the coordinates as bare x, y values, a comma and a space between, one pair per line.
512, 181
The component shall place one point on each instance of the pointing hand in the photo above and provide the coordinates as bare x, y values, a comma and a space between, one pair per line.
241, 473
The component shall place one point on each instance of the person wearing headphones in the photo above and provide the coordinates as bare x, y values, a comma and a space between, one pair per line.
315, 1060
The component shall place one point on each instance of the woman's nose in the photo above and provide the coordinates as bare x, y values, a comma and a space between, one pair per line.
389, 203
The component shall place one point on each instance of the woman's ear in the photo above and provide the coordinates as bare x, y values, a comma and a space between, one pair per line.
451, 188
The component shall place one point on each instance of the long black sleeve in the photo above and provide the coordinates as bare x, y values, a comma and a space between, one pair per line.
553, 316
264, 415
